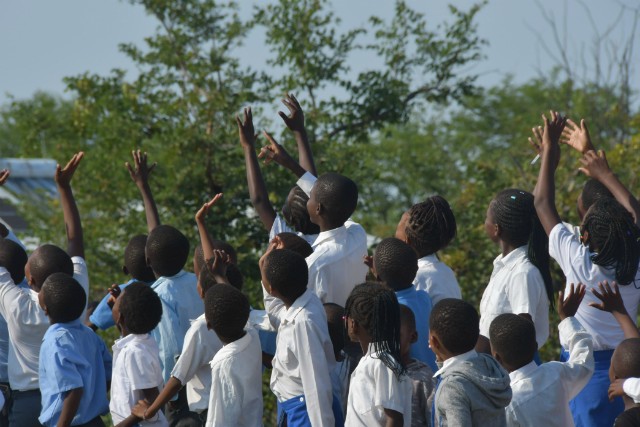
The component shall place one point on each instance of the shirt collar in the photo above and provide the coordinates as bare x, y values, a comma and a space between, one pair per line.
407, 291
429, 260
298, 305
75, 324
123, 341
511, 259
235, 347
523, 372
161, 279
329, 235
452, 361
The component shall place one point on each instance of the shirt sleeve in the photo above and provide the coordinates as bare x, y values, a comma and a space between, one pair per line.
62, 366
9, 292
275, 308
102, 316
193, 356
12, 236
137, 369
165, 336
566, 249
387, 392
577, 371
631, 388
314, 373
306, 182
279, 226
455, 407
319, 282
525, 296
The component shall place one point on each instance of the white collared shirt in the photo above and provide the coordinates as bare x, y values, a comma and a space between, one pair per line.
281, 226
575, 261
454, 360
192, 368
373, 388
336, 265
235, 399
631, 387
541, 394
435, 277
136, 367
304, 356
516, 286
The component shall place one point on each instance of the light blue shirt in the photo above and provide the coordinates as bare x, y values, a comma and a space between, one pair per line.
181, 304
102, 316
72, 356
420, 303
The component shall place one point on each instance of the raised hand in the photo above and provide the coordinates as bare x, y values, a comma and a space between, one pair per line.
276, 153
218, 264
114, 293
567, 307
4, 176
295, 119
553, 128
63, 176
537, 142
615, 389
610, 298
141, 170
577, 136
595, 165
246, 131
204, 210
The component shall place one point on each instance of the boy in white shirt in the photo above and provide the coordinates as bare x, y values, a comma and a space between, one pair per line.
236, 370
541, 394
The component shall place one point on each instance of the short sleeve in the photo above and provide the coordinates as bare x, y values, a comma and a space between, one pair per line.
563, 246
388, 390
102, 316
525, 297
138, 367
81, 273
631, 387
165, 336
62, 367
193, 356
306, 182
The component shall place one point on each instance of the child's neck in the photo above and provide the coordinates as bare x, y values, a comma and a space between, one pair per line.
507, 248
327, 226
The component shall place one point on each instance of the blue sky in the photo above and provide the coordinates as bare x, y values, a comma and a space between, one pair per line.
42, 41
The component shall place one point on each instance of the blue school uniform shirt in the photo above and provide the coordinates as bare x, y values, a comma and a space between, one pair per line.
420, 303
73, 356
102, 316
181, 304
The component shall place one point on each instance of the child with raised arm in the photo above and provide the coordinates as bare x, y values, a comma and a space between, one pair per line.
75, 365
136, 365
429, 227
607, 250
541, 394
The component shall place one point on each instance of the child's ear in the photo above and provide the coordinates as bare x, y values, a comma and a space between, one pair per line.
319, 209
209, 326
414, 337
148, 261
125, 270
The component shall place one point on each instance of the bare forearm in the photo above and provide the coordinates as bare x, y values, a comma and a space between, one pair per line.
150, 208
304, 152
70, 407
72, 222
545, 195
627, 324
394, 418
205, 239
258, 189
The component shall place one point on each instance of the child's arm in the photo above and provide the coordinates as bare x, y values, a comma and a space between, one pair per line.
544, 193
394, 418
612, 302
70, 405
577, 137
140, 175
150, 395
143, 410
205, 239
628, 386
276, 152
218, 266
295, 122
75, 242
595, 165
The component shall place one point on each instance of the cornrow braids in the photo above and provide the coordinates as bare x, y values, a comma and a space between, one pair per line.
376, 309
614, 237
431, 226
295, 212
514, 212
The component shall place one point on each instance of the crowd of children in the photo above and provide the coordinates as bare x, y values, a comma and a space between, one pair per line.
400, 349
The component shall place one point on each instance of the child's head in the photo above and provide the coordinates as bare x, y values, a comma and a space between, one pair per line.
295, 243
395, 263
295, 212
335, 323
333, 200
428, 226
135, 261
198, 254
138, 309
13, 258
284, 274
62, 298
408, 332
611, 233
512, 219
227, 312
167, 250
206, 280
625, 362
373, 315
513, 340
592, 191
454, 327
45, 261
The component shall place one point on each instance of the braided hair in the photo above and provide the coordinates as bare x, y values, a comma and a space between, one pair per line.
514, 212
430, 226
295, 212
613, 236
376, 309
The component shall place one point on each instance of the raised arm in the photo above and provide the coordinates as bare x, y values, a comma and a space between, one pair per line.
140, 176
611, 301
276, 153
545, 191
295, 122
257, 188
577, 137
205, 238
72, 223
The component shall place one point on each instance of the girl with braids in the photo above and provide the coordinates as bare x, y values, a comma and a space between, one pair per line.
380, 391
606, 250
429, 227
520, 282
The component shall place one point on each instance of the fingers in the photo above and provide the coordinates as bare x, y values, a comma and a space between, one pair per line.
152, 167
571, 125
269, 137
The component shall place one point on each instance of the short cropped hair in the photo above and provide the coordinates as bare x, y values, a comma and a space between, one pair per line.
338, 194
227, 312
295, 243
456, 324
286, 272
626, 359
141, 308
430, 225
167, 250
46, 260
206, 279
64, 298
135, 260
396, 263
13, 258
514, 338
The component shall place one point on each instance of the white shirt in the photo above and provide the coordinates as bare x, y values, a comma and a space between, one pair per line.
541, 394
304, 356
192, 368
281, 226
516, 286
373, 388
27, 324
575, 260
435, 277
236, 387
136, 367
631, 387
